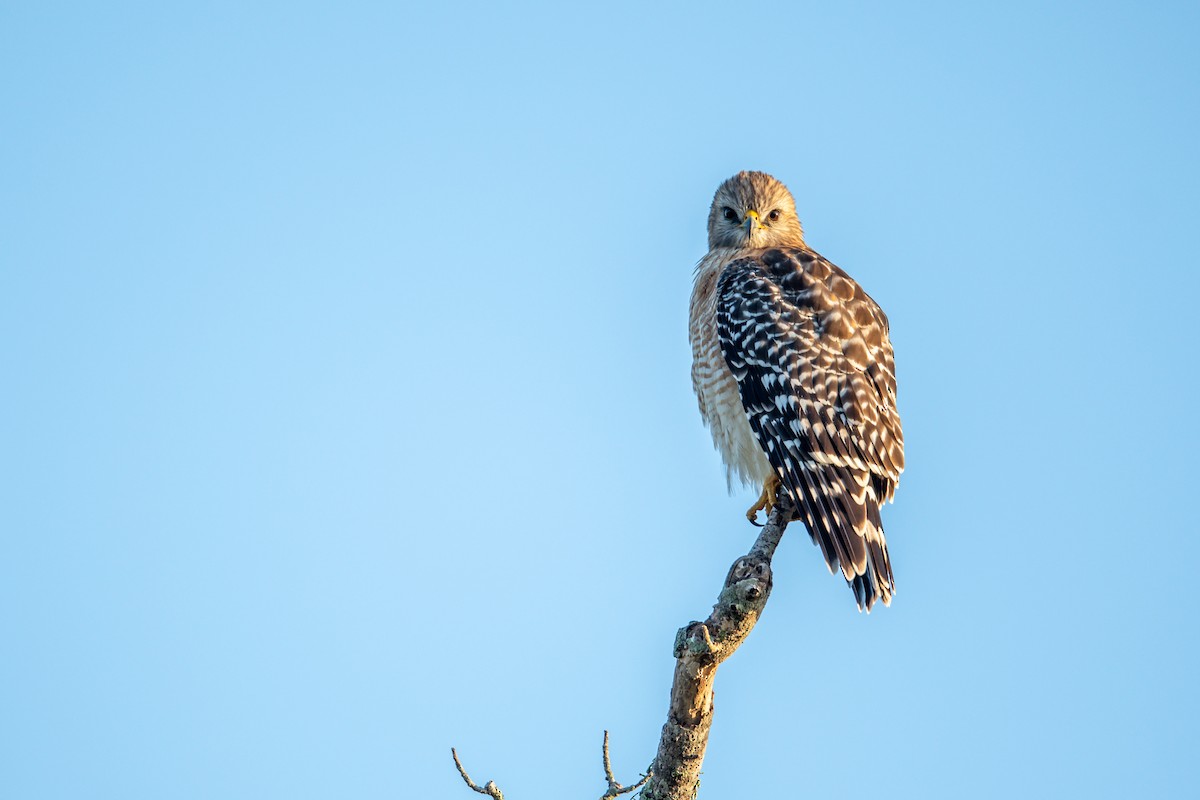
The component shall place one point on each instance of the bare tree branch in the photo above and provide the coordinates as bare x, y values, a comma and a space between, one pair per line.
700, 647
490, 788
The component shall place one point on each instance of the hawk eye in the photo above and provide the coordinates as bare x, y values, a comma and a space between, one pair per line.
729, 214
774, 216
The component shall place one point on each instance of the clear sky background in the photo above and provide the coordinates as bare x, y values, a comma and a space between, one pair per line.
347, 413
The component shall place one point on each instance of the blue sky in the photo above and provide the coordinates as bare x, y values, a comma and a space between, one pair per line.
348, 418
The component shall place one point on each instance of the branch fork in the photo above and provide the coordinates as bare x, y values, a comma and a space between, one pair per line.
614, 789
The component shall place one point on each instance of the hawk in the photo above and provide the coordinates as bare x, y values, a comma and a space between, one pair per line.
794, 373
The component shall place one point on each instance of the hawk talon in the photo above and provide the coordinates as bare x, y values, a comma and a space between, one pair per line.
766, 501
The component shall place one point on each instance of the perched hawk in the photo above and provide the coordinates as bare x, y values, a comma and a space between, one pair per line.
794, 373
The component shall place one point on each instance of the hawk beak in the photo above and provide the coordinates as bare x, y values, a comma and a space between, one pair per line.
752, 223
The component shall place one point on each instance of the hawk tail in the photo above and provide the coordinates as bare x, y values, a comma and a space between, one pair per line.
848, 530
876, 583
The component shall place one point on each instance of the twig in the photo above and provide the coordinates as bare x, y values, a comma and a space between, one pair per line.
615, 789
490, 788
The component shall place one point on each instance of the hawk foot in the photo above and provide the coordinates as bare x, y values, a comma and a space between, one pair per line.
766, 500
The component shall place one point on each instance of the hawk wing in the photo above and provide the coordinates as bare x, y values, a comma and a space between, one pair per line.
810, 352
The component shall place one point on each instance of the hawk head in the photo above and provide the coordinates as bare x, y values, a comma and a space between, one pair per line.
751, 211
